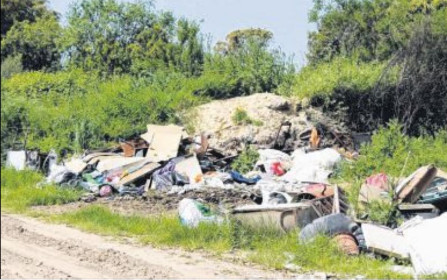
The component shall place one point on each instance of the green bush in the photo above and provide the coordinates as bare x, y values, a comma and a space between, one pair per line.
241, 117
11, 65
323, 79
76, 110
246, 160
396, 154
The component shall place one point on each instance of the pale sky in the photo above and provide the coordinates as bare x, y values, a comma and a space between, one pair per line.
287, 19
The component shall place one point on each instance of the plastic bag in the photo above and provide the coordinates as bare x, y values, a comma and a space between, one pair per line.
192, 212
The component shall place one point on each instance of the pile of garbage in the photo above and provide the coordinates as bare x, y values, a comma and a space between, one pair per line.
286, 190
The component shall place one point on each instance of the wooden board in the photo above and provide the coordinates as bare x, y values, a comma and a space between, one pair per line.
414, 185
268, 207
118, 161
164, 141
89, 157
143, 171
75, 165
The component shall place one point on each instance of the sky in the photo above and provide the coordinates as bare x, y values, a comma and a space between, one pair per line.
287, 19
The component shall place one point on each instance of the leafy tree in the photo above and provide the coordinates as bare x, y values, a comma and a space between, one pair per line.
247, 62
238, 38
13, 11
368, 29
11, 65
113, 37
420, 95
35, 42
405, 38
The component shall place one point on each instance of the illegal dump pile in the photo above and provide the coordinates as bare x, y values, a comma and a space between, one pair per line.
282, 186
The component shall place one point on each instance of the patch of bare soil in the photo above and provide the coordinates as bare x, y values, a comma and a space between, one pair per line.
33, 249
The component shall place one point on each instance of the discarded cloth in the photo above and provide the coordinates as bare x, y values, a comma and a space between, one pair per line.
277, 185
239, 178
166, 177
105, 190
167, 180
16, 159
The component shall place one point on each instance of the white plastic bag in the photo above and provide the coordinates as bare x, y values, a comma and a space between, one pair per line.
192, 212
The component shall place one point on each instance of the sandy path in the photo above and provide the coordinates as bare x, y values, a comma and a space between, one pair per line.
34, 249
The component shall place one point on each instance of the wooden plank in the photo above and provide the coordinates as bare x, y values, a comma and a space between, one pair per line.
117, 161
75, 165
143, 171
414, 185
89, 157
276, 207
416, 207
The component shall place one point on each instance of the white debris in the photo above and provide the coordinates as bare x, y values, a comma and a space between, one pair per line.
313, 166
16, 159
427, 245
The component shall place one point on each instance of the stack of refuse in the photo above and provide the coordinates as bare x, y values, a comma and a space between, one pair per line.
421, 200
163, 158
286, 190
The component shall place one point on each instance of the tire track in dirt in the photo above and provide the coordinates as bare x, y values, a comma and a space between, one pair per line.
33, 249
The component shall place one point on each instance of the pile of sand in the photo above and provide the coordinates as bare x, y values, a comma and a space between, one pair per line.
268, 111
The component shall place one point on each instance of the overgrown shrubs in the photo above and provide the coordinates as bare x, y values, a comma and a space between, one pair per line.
376, 66
76, 110
396, 155
323, 79
246, 160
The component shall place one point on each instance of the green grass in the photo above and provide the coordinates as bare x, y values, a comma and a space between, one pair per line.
265, 247
19, 191
241, 117
163, 230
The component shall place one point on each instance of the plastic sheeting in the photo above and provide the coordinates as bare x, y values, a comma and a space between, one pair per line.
192, 212
313, 166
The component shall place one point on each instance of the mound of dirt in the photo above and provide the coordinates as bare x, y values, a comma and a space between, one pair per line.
265, 112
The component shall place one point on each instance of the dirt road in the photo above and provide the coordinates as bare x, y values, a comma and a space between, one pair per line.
34, 249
